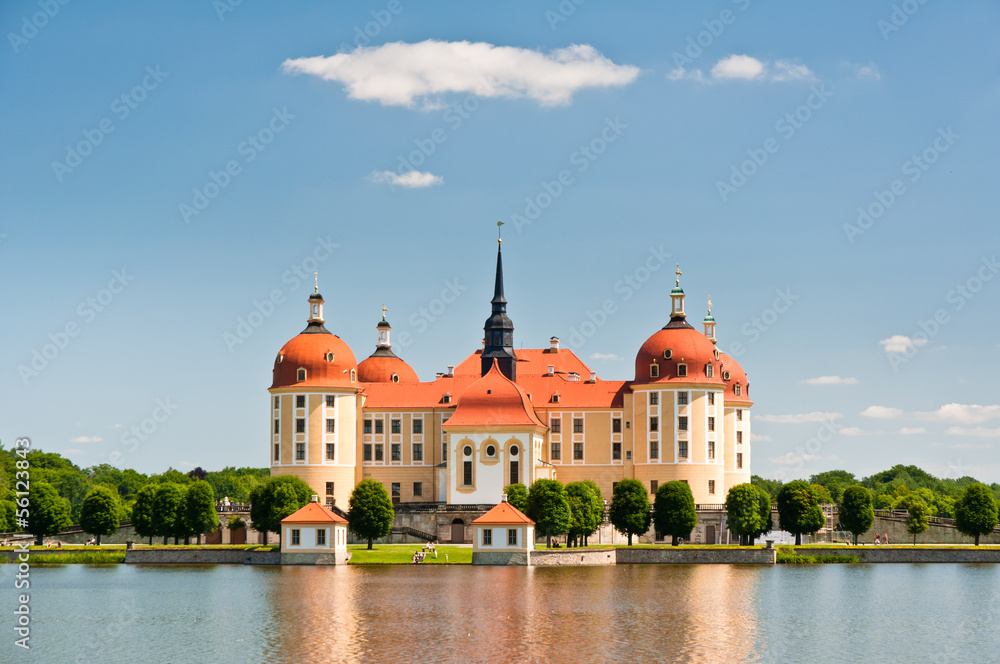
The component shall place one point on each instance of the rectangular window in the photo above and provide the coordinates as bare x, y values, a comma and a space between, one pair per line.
556, 452
682, 423
739, 437
682, 449
300, 425
379, 426
300, 401
368, 426
654, 449
654, 398
711, 424
397, 426
578, 451
556, 426
295, 536
682, 398
578, 425
300, 451
467, 473
277, 452
711, 398
512, 537
682, 370
515, 473
418, 427
395, 451
711, 449
277, 402
331, 426
653, 485
709, 370
739, 459
739, 414
711, 487
276, 429
418, 452
444, 451
321, 537
616, 425
616, 451
331, 401
487, 537
379, 454
654, 424
418, 488
329, 488
368, 451
331, 451
658, 535
395, 490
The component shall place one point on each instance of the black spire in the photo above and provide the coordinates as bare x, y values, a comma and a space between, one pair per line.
499, 331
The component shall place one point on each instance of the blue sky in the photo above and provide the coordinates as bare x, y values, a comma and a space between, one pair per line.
826, 172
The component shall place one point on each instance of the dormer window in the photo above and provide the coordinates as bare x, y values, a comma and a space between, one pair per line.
395, 378
682, 370
555, 398
329, 357
667, 354
709, 370
281, 358
725, 375
354, 376
738, 389
716, 352
654, 371
446, 398
300, 375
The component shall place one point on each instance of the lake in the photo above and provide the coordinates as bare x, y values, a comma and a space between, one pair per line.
626, 613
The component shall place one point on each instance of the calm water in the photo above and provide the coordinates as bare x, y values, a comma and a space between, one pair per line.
821, 613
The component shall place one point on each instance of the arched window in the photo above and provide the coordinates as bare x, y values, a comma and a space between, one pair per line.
354, 376
301, 374
395, 378
654, 371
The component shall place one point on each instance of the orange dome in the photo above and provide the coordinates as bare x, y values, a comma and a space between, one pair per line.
677, 344
326, 359
382, 365
494, 401
736, 377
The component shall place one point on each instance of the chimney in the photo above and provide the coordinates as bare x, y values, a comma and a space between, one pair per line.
315, 498
552, 369
503, 497
554, 344
593, 376
451, 370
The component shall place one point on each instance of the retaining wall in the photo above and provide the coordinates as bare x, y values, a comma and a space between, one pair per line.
148, 556
500, 558
574, 557
690, 556
914, 554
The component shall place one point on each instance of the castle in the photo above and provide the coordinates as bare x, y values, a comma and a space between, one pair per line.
502, 415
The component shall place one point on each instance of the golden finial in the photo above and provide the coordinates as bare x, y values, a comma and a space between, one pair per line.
499, 224
383, 311
709, 304
677, 281
316, 281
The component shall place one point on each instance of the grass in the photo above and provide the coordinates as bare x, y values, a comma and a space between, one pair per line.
402, 554
91, 557
787, 556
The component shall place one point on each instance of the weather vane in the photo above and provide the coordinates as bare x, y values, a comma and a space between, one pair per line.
677, 281
709, 304
499, 224
316, 281
383, 311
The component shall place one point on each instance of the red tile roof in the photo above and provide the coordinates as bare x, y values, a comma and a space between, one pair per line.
495, 401
503, 514
314, 513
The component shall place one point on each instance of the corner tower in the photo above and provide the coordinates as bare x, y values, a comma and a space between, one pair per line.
499, 329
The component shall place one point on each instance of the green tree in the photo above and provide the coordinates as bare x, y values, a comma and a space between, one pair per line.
822, 494
587, 509
166, 507
597, 505
199, 509
630, 508
48, 512
976, 511
275, 499
143, 510
764, 505
857, 513
743, 512
674, 513
517, 495
798, 511
771, 486
369, 511
917, 517
8, 516
99, 514
835, 481
548, 507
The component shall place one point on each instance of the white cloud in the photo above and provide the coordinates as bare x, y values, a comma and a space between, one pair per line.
815, 416
960, 413
899, 343
850, 431
409, 180
911, 431
86, 439
761, 438
881, 412
789, 71
831, 380
982, 432
738, 66
401, 74
680, 74
747, 68
869, 71
607, 357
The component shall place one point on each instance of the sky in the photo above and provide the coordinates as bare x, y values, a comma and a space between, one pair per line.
172, 174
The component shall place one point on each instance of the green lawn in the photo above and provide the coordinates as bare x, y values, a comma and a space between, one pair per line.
92, 557
402, 554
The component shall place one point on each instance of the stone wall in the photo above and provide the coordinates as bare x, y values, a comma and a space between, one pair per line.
683, 555
315, 558
178, 556
500, 558
573, 557
902, 554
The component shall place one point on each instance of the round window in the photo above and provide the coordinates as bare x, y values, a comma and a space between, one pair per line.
513, 451
467, 451
491, 451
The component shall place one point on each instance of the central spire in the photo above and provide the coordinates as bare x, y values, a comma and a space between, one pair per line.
499, 330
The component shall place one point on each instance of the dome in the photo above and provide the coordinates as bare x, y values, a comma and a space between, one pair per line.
736, 377
494, 401
382, 365
326, 358
678, 344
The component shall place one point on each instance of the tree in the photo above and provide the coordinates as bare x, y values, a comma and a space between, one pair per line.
630, 508
548, 507
369, 511
48, 512
199, 509
99, 513
8, 516
764, 505
674, 513
142, 512
587, 509
198, 473
166, 506
917, 517
857, 512
275, 499
772, 487
798, 511
743, 513
976, 511
822, 495
517, 495
835, 481
597, 505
